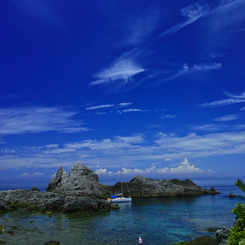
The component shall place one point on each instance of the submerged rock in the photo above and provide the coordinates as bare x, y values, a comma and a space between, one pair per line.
52, 243
204, 240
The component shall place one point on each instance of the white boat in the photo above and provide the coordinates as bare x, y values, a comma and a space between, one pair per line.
118, 198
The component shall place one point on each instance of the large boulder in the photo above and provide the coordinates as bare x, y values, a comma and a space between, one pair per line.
82, 181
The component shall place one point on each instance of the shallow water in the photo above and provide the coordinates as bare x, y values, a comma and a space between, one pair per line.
156, 220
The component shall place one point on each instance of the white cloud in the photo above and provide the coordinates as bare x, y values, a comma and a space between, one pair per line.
226, 118
135, 150
99, 107
184, 168
25, 175
192, 12
241, 96
168, 116
233, 100
32, 175
38, 174
208, 67
125, 104
186, 69
38, 119
121, 72
133, 110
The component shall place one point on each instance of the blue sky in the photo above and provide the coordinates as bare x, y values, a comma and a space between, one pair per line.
154, 86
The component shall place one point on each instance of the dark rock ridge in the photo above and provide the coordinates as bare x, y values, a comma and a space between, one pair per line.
81, 191
83, 181
49, 202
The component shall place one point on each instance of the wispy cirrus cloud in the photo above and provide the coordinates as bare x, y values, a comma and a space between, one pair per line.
187, 70
39, 9
121, 72
141, 27
99, 107
192, 12
227, 118
37, 120
233, 100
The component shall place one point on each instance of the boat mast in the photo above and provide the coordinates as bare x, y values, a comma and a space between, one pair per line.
121, 179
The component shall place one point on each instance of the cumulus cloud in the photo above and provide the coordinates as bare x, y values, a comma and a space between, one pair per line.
37, 120
136, 150
184, 168
37, 174
192, 12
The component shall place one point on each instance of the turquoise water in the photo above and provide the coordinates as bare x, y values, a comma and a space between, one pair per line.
157, 221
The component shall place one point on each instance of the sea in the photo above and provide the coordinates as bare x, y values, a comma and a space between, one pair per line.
157, 220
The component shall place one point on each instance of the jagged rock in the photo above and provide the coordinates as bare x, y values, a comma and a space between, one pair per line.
146, 187
80, 171
34, 188
222, 235
232, 195
59, 180
82, 181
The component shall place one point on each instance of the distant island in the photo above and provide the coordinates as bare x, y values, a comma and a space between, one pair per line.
80, 191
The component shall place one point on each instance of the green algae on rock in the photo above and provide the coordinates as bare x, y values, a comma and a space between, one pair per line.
204, 240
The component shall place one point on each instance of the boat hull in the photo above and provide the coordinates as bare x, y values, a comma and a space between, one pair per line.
120, 199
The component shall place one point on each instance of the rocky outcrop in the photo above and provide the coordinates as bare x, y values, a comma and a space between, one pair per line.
204, 240
81, 191
146, 187
83, 181
232, 195
49, 202
222, 236
59, 180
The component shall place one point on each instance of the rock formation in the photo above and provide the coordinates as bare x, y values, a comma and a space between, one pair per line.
83, 181
81, 191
